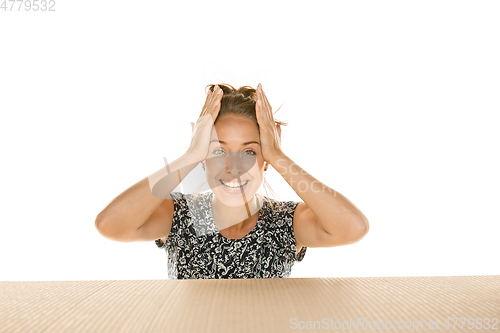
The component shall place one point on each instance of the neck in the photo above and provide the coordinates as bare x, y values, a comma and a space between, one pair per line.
237, 217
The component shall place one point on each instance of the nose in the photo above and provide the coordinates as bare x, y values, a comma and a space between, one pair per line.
234, 165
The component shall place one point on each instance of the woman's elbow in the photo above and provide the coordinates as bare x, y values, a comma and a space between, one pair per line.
362, 229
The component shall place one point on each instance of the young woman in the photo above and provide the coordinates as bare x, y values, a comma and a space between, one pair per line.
232, 232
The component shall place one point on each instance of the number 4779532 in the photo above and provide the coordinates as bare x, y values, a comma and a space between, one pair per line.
28, 5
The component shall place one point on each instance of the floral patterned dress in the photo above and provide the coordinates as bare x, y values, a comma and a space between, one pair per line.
196, 250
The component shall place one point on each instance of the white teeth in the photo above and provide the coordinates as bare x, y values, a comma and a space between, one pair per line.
234, 185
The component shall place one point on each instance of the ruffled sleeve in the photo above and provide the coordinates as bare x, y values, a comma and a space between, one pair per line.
301, 254
176, 197
288, 214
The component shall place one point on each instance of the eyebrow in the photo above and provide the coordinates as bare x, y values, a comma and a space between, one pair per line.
243, 144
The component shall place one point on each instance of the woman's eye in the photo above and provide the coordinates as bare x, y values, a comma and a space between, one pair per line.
247, 152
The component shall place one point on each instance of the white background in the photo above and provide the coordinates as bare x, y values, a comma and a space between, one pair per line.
394, 104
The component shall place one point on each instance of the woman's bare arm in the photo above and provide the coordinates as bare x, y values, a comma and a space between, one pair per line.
144, 204
144, 211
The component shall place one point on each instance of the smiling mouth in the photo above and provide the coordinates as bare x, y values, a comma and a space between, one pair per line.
233, 185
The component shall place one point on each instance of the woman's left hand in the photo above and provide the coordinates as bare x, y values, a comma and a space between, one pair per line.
270, 132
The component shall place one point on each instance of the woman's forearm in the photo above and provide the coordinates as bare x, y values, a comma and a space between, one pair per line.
333, 211
132, 208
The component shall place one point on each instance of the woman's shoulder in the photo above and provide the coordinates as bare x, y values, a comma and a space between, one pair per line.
192, 201
279, 212
280, 206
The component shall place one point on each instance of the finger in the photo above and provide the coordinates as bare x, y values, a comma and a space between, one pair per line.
259, 104
264, 124
259, 94
264, 98
207, 104
258, 111
216, 96
266, 101
212, 94
265, 107
262, 119
213, 98
278, 136
216, 92
215, 111
215, 106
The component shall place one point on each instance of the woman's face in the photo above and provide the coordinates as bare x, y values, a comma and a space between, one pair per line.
234, 164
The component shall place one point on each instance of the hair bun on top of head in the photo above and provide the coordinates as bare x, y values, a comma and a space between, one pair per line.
228, 89
248, 91
239, 101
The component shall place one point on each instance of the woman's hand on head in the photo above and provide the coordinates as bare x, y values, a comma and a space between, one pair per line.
270, 132
202, 129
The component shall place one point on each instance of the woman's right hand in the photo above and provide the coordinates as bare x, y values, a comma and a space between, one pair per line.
202, 130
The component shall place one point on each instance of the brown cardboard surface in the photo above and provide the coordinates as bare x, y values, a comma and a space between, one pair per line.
251, 305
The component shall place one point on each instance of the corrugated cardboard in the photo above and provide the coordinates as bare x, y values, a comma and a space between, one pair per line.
253, 305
